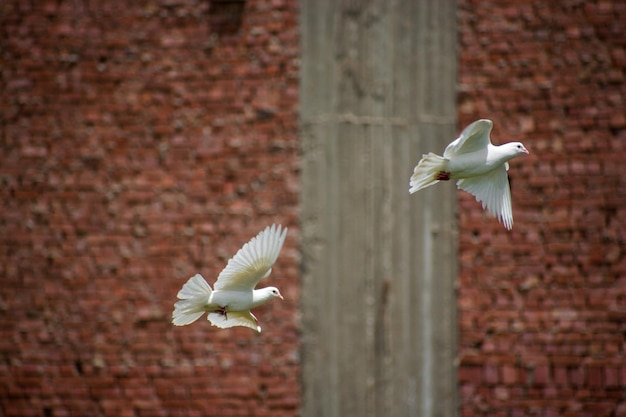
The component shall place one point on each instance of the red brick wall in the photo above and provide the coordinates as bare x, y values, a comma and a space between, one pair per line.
142, 142
543, 309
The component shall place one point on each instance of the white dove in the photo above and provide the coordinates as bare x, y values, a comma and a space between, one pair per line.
229, 303
480, 168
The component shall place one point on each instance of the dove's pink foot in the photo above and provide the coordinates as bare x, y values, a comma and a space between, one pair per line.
443, 176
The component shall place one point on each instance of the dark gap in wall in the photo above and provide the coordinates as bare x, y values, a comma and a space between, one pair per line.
225, 16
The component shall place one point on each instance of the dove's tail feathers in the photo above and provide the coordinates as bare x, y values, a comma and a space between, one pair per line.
194, 297
194, 287
187, 311
426, 172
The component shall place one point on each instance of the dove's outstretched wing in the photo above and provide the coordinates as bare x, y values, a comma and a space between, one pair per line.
473, 138
253, 261
234, 318
492, 189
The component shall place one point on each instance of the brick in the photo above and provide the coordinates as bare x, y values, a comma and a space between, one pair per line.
509, 374
491, 374
594, 376
541, 375
471, 374
560, 376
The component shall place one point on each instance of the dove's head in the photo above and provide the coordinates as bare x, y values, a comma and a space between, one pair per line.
510, 150
517, 148
265, 294
274, 293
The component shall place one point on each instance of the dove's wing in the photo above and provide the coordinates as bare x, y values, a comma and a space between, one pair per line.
234, 318
253, 261
473, 138
492, 189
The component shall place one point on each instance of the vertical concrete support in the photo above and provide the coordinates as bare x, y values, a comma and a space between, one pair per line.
379, 266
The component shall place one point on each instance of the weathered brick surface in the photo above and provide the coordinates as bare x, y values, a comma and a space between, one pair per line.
543, 308
142, 142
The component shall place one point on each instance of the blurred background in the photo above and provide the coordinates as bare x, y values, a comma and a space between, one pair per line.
143, 142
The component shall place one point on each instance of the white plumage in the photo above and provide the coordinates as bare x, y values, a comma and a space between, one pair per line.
233, 296
479, 166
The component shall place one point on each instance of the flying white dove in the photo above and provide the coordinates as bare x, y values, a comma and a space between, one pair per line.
479, 167
229, 303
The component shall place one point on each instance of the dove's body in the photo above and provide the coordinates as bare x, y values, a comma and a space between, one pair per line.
479, 166
465, 166
229, 304
239, 300
236, 300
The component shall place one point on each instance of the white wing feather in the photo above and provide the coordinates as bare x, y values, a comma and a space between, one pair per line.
492, 189
473, 138
253, 261
234, 318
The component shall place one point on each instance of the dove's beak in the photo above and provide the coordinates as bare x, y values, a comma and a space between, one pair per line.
281, 297
526, 151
